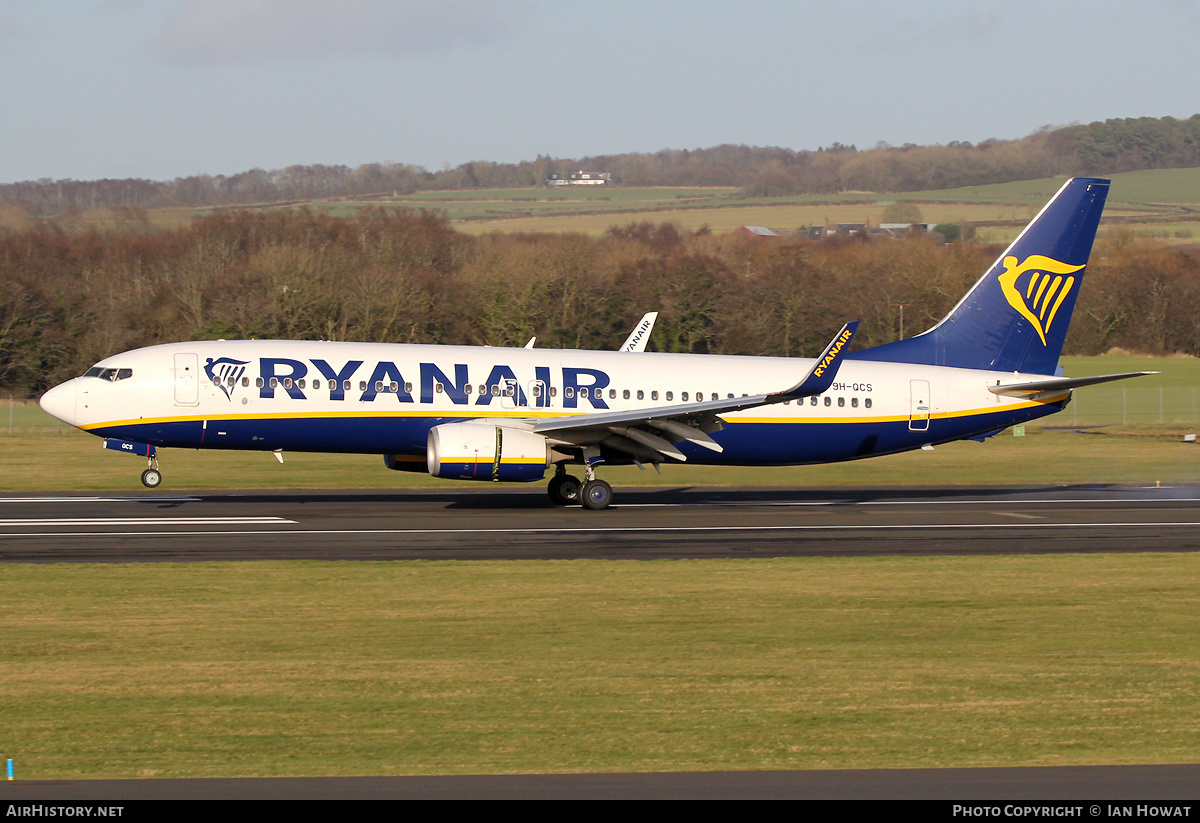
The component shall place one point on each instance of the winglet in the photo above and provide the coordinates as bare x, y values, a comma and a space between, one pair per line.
640, 336
820, 377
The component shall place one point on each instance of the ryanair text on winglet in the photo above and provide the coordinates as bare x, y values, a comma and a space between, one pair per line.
841, 341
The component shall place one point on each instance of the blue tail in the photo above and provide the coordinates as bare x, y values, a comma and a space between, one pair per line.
1015, 317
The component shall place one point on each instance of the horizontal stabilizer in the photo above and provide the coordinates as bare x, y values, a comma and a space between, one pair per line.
1038, 389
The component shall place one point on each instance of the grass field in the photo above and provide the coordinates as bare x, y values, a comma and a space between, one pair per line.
256, 669
1159, 203
1140, 200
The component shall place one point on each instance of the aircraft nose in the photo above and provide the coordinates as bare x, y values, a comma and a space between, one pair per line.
59, 402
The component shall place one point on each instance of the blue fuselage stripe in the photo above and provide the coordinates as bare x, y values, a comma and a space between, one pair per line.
744, 443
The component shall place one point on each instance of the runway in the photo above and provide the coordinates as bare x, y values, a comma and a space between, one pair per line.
644, 524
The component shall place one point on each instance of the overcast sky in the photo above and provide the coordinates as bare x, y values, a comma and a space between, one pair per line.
167, 88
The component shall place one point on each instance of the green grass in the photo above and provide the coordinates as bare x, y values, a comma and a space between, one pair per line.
164, 670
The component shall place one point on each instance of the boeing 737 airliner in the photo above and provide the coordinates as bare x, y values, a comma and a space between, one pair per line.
513, 414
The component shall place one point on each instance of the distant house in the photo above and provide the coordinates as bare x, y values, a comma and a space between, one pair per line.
755, 232
902, 229
837, 230
580, 178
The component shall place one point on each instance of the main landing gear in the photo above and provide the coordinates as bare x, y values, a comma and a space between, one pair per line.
151, 477
565, 490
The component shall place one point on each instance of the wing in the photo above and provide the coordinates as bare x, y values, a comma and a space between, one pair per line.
650, 433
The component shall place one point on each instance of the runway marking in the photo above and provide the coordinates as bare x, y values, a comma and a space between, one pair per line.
145, 521
100, 500
1012, 501
614, 529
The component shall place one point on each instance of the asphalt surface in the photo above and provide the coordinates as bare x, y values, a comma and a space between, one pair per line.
643, 524
997, 787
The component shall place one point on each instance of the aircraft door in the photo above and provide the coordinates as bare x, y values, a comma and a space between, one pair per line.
510, 393
187, 379
539, 394
919, 405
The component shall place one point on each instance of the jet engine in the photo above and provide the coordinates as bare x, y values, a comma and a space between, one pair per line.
479, 450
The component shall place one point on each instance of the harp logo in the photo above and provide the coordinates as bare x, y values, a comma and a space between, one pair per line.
225, 372
1037, 288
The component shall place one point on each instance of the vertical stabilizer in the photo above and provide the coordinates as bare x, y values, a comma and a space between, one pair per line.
1015, 317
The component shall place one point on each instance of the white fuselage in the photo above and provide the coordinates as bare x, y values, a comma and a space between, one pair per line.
384, 398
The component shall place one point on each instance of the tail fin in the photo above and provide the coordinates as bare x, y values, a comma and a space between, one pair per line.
1015, 317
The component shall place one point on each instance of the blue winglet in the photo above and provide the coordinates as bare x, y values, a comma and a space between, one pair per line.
821, 376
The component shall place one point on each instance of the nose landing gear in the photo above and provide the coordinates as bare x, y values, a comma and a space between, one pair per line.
151, 477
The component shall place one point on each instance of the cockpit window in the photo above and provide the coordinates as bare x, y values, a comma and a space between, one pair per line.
111, 375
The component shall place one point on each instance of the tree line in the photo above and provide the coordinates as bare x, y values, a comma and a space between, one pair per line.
1094, 149
70, 299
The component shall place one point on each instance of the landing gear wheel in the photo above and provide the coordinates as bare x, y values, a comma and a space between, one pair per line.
596, 495
564, 489
151, 478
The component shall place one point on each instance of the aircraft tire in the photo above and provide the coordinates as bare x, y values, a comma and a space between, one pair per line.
151, 478
564, 489
596, 495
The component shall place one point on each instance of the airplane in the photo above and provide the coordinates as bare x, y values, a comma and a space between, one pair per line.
513, 414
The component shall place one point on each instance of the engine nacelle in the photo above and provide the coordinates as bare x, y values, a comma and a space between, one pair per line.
485, 451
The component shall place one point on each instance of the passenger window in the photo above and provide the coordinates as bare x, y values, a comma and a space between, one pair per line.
854, 402
482, 389
393, 387
828, 401
274, 382
496, 391
583, 392
345, 385
553, 391
258, 382
867, 402
569, 392
641, 395
437, 387
362, 385
716, 396
612, 394
654, 395
467, 389
245, 382
408, 388
378, 385
683, 396
537, 389
670, 395
625, 394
